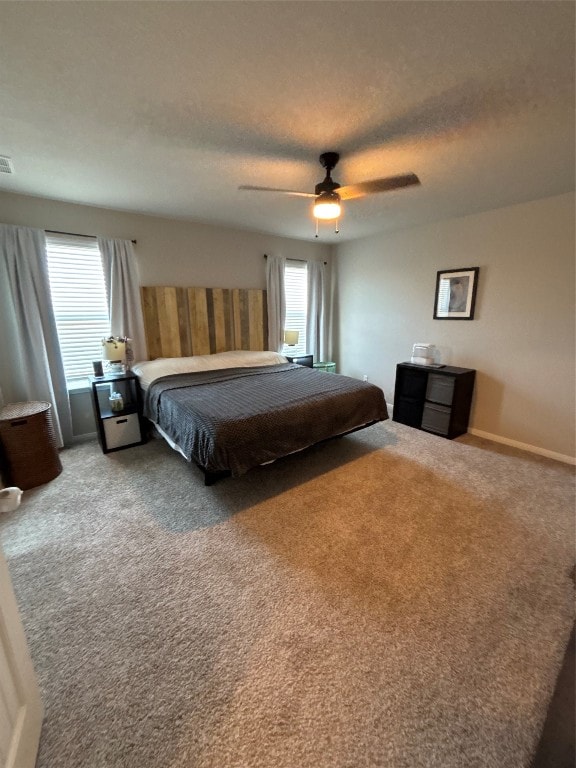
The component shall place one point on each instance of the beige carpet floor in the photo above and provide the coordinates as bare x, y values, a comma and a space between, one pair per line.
387, 599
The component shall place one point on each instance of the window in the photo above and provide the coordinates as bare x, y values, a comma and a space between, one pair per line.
79, 299
296, 292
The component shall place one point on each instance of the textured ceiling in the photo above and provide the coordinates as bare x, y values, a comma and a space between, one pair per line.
167, 107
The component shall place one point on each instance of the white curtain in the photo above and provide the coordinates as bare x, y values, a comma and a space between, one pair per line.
123, 291
317, 322
276, 301
31, 364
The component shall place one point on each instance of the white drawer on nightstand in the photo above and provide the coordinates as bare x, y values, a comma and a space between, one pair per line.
122, 430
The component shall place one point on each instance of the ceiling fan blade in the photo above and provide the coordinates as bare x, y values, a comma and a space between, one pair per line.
281, 191
377, 185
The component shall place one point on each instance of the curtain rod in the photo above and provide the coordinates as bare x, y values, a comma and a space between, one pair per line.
73, 234
291, 259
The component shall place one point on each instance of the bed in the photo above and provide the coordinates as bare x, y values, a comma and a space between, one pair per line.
231, 411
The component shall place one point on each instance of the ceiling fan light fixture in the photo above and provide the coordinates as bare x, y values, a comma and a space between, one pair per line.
327, 206
329, 193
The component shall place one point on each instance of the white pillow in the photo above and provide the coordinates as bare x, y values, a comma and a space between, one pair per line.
149, 370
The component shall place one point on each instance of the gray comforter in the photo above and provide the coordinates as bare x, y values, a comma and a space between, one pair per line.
238, 418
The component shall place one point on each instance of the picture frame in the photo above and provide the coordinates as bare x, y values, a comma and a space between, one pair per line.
456, 293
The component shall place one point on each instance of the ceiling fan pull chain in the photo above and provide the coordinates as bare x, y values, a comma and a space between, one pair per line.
337, 229
316, 227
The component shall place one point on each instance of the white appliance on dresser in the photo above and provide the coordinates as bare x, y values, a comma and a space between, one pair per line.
424, 354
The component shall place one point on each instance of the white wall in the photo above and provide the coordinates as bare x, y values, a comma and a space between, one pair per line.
521, 341
168, 251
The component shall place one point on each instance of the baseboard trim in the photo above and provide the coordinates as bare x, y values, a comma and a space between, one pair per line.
524, 446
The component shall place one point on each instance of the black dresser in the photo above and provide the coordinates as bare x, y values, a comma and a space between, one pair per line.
434, 399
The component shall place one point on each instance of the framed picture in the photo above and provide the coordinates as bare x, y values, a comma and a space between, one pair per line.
456, 293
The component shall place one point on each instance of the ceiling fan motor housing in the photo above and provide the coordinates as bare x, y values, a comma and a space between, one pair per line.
328, 160
326, 186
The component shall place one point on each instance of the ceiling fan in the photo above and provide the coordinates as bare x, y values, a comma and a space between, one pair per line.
328, 193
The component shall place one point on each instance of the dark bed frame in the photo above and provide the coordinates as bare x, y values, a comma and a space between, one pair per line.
213, 476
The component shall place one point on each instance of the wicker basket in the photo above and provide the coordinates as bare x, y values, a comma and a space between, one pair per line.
29, 444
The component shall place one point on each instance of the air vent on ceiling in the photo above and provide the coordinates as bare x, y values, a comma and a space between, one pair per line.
6, 165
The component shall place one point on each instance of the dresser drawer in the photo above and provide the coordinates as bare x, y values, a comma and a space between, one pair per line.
436, 418
440, 389
122, 430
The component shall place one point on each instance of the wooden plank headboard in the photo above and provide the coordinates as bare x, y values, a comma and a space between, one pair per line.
180, 322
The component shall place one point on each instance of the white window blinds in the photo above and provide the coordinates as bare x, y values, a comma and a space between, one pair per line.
79, 300
296, 291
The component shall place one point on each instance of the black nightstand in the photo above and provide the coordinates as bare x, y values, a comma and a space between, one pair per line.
306, 360
122, 428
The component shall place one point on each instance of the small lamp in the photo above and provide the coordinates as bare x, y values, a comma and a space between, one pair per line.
291, 339
114, 353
